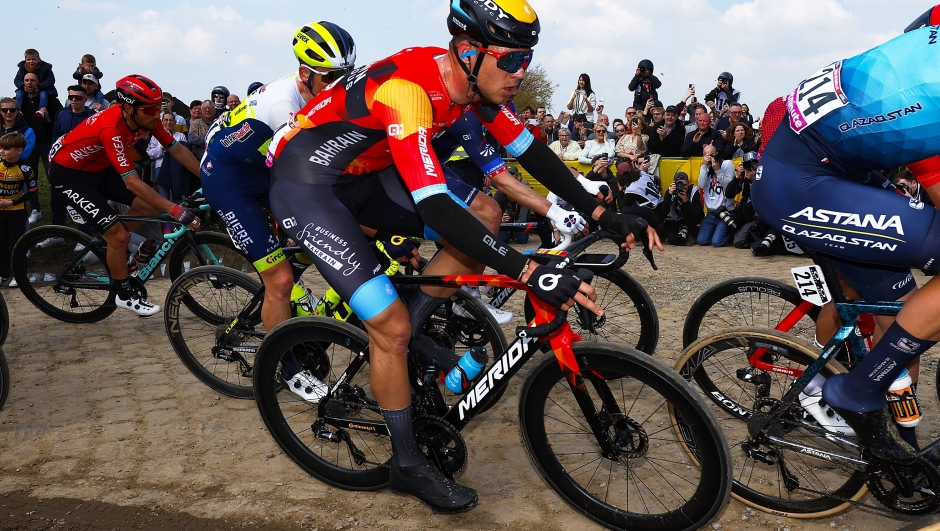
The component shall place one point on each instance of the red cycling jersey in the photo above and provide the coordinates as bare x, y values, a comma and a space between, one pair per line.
388, 113
101, 140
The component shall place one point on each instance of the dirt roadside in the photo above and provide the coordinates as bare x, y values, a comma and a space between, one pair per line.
105, 417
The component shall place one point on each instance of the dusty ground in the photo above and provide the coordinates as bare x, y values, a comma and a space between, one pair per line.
105, 415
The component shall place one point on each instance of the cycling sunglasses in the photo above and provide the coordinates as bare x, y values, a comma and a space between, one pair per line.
510, 61
329, 76
149, 110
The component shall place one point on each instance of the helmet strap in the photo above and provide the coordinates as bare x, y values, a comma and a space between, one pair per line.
309, 82
471, 75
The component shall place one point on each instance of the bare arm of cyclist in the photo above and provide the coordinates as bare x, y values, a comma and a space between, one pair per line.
185, 157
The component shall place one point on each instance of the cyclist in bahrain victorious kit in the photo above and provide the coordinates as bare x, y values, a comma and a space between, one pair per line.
359, 153
235, 177
90, 166
816, 183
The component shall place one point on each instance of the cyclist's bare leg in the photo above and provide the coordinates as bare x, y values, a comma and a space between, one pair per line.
389, 334
278, 281
117, 239
450, 261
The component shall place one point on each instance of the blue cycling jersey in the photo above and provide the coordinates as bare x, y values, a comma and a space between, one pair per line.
876, 110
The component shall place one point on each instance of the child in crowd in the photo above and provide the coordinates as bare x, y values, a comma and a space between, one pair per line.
88, 65
17, 186
33, 64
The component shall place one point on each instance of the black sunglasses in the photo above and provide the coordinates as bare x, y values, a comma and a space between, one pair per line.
7, 110
75, 97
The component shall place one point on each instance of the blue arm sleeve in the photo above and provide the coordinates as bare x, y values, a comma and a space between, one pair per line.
30, 143
469, 132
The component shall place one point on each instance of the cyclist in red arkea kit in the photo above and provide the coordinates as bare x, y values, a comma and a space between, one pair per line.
90, 166
360, 154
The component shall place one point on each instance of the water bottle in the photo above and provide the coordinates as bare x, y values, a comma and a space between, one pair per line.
903, 402
468, 368
300, 300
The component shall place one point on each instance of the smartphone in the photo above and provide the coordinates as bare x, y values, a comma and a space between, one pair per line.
691, 85
533, 121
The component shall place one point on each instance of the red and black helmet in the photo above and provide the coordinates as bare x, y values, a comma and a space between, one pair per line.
138, 91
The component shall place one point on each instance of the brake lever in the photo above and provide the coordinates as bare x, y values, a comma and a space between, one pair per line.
639, 233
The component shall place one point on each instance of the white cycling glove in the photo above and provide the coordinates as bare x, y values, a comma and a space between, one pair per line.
565, 221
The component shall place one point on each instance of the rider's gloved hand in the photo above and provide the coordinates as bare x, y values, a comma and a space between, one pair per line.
565, 221
184, 215
553, 286
615, 222
400, 248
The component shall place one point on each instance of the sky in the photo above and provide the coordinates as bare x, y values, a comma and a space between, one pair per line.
187, 48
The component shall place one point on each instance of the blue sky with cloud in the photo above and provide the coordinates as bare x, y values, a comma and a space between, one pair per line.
769, 45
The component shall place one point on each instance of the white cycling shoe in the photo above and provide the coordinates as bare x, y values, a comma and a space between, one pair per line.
825, 415
502, 316
137, 305
308, 387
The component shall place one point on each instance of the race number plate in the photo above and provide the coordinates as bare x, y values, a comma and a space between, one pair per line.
816, 97
811, 284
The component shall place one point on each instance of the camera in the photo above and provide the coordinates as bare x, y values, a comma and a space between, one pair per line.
763, 248
680, 186
725, 217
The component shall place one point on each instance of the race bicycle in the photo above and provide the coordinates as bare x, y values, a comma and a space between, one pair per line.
218, 345
601, 421
70, 279
785, 462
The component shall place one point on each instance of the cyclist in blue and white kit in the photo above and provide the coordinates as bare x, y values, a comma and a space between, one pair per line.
234, 172
816, 183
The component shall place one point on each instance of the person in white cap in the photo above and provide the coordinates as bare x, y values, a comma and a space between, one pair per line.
95, 100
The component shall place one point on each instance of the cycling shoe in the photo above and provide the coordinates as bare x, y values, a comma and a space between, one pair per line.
878, 433
429, 352
429, 485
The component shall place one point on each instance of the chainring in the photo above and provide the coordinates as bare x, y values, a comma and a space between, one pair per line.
908, 489
443, 445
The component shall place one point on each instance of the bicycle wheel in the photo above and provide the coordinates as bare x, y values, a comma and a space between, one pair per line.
204, 334
351, 457
649, 484
69, 280
630, 317
216, 248
748, 301
5, 318
4, 379
812, 487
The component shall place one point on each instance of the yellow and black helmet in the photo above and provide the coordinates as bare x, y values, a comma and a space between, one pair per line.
324, 45
509, 23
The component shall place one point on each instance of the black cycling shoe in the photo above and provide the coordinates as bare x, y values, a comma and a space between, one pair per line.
429, 485
878, 434
429, 352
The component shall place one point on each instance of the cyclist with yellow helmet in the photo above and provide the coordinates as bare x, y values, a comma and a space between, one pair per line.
235, 178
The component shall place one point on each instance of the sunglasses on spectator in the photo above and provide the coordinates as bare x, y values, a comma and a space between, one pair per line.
736, 112
631, 113
8, 110
722, 80
620, 130
329, 76
599, 131
510, 61
75, 97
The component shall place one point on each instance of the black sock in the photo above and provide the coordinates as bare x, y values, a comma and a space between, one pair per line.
125, 289
420, 307
405, 451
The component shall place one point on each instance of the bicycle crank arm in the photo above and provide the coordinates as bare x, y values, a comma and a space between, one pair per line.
816, 452
344, 423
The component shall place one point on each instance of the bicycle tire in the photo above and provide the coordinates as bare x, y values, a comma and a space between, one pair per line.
758, 484
632, 321
200, 307
4, 320
644, 386
291, 420
4, 379
746, 301
47, 268
223, 250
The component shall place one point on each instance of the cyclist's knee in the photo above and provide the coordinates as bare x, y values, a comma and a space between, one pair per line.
278, 281
390, 331
488, 209
117, 236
